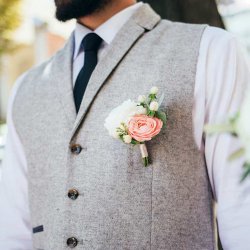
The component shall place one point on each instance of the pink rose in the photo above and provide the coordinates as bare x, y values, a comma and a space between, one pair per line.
144, 128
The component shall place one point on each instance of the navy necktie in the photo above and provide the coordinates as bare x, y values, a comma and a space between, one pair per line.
90, 44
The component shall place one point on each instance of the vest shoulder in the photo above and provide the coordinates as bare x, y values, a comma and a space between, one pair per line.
25, 83
37, 70
41, 71
35, 74
179, 32
180, 26
211, 34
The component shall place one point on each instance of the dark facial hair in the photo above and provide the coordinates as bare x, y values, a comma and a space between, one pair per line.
69, 9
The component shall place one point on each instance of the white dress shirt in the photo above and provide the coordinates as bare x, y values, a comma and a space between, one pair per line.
221, 81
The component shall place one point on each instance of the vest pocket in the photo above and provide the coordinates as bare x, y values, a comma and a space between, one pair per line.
37, 229
38, 237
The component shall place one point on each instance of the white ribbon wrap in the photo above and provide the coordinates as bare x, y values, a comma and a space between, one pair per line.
144, 151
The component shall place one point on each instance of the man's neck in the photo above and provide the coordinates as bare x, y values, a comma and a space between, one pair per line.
94, 20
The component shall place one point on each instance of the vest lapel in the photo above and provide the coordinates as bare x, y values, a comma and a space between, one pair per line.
62, 79
144, 19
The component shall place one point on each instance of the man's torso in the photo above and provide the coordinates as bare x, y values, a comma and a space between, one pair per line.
121, 205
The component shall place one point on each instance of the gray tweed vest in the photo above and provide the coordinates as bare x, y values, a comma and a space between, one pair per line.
121, 204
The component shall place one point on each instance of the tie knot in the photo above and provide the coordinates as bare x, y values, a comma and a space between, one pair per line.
91, 42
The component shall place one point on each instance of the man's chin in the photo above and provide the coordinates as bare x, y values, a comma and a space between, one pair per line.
63, 18
78, 8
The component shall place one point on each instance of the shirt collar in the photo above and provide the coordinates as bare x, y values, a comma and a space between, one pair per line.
108, 30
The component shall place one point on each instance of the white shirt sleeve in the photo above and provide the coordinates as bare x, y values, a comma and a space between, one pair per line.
15, 228
222, 79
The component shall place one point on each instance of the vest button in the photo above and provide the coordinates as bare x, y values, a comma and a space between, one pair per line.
72, 242
76, 149
73, 194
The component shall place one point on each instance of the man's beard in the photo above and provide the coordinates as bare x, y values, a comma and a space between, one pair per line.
69, 9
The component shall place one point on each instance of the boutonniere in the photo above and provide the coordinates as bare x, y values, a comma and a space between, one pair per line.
238, 126
137, 122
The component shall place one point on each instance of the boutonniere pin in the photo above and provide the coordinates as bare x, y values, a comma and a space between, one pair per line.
137, 122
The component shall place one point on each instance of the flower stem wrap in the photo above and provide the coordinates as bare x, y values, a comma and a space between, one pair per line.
144, 154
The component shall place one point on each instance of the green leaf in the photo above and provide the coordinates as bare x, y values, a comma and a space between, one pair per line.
152, 97
143, 104
235, 118
134, 142
161, 100
237, 154
145, 161
246, 172
147, 107
151, 113
218, 128
162, 116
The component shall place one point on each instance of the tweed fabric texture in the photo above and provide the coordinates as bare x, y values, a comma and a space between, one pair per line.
122, 205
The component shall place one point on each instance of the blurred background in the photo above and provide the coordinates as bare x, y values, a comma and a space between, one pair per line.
29, 33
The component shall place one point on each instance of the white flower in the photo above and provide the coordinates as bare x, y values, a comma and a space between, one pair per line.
116, 135
154, 90
141, 98
122, 114
127, 139
141, 110
154, 106
243, 125
122, 127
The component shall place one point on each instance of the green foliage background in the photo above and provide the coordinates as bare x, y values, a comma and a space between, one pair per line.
9, 20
